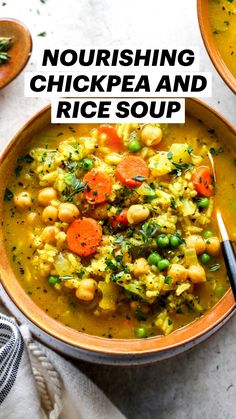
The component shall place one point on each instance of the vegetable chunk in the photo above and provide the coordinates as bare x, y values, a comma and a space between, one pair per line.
98, 188
84, 236
131, 169
202, 181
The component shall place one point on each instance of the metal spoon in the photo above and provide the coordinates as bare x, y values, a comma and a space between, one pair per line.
226, 244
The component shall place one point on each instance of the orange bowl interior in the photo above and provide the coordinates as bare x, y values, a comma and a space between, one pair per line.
20, 51
216, 58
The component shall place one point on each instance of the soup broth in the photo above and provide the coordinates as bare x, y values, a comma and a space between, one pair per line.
111, 230
222, 15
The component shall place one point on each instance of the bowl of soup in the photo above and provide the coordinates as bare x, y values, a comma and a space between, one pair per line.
217, 20
110, 249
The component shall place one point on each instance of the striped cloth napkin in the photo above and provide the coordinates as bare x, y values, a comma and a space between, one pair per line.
37, 383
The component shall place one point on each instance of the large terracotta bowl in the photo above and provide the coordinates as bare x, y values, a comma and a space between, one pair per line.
214, 54
82, 345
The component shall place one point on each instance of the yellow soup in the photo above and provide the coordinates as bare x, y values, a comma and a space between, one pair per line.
111, 229
223, 23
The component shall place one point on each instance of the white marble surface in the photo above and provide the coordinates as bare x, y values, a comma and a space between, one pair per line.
201, 383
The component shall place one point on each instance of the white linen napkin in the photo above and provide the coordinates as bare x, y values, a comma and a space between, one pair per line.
37, 383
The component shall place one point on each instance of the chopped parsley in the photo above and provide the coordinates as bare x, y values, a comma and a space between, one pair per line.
211, 131
27, 158
18, 170
42, 34
8, 195
215, 152
140, 316
168, 280
172, 203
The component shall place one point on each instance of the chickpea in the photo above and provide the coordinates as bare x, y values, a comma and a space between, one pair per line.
67, 212
195, 241
151, 135
140, 267
213, 246
23, 200
177, 272
49, 214
48, 234
46, 195
137, 213
86, 290
196, 274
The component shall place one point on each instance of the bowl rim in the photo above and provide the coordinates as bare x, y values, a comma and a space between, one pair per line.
53, 328
214, 54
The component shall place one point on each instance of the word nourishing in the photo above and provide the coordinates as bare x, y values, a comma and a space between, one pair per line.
115, 57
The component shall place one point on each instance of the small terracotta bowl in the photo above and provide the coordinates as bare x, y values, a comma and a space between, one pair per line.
20, 51
215, 56
82, 345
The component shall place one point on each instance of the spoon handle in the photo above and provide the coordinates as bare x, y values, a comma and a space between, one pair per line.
230, 263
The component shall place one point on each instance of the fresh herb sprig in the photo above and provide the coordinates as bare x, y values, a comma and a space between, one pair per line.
148, 231
75, 186
143, 238
117, 267
179, 167
5, 45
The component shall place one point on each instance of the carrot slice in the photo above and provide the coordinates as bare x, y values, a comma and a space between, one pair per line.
119, 220
84, 236
131, 167
99, 187
112, 141
202, 181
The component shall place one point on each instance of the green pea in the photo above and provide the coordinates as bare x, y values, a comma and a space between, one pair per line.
87, 164
134, 146
140, 332
205, 258
163, 240
163, 264
53, 279
207, 234
219, 291
154, 258
175, 241
203, 203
